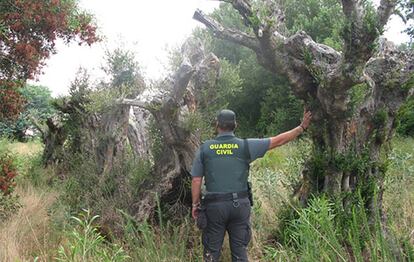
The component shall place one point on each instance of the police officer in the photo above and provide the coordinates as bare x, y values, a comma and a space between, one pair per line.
224, 164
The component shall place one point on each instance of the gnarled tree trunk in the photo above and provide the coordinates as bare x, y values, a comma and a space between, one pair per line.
169, 180
348, 139
53, 136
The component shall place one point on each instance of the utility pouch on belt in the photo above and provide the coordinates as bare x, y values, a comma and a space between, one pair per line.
201, 221
250, 193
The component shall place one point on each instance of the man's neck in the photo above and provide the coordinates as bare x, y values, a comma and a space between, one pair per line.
220, 131
225, 133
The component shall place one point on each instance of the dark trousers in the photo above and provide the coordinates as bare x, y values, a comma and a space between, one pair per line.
235, 219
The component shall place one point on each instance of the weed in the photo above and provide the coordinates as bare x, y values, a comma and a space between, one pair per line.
84, 243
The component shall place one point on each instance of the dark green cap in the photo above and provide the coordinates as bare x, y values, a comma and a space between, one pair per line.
226, 116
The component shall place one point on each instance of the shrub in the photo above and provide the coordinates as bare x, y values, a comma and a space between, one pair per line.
8, 172
9, 204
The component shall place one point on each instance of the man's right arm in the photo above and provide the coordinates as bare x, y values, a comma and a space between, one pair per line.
285, 137
290, 135
196, 181
195, 193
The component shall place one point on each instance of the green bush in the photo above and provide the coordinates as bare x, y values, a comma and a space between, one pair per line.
9, 204
86, 188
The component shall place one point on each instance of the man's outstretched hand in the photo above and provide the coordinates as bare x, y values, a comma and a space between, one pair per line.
307, 116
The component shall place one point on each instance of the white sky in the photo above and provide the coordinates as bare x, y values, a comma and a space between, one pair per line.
148, 27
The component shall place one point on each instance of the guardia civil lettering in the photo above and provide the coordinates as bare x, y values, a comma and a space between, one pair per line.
224, 149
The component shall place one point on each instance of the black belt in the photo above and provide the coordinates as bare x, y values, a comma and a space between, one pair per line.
209, 198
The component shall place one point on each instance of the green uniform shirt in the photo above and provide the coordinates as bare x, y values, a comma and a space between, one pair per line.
223, 162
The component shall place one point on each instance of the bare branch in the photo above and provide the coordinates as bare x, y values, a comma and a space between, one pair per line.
264, 27
362, 28
181, 79
357, 41
275, 18
231, 35
245, 10
134, 102
349, 7
39, 126
384, 11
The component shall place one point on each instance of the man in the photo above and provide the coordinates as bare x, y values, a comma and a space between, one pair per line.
224, 164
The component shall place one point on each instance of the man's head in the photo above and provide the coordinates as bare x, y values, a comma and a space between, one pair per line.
226, 120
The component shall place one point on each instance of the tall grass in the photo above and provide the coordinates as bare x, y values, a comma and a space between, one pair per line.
322, 231
84, 243
166, 242
27, 234
141, 242
399, 193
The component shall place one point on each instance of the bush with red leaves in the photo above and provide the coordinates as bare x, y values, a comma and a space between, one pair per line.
11, 101
8, 172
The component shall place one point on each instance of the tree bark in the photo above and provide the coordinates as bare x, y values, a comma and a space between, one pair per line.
138, 135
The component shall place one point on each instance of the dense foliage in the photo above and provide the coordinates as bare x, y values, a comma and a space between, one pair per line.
263, 102
12, 103
406, 119
321, 19
28, 33
9, 203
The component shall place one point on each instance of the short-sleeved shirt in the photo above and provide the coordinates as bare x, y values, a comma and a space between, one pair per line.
257, 149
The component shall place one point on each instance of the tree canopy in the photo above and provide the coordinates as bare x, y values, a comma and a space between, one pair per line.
28, 33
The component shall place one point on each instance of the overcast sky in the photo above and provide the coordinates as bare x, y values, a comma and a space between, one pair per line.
148, 27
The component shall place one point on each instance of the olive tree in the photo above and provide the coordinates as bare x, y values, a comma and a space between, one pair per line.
354, 94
